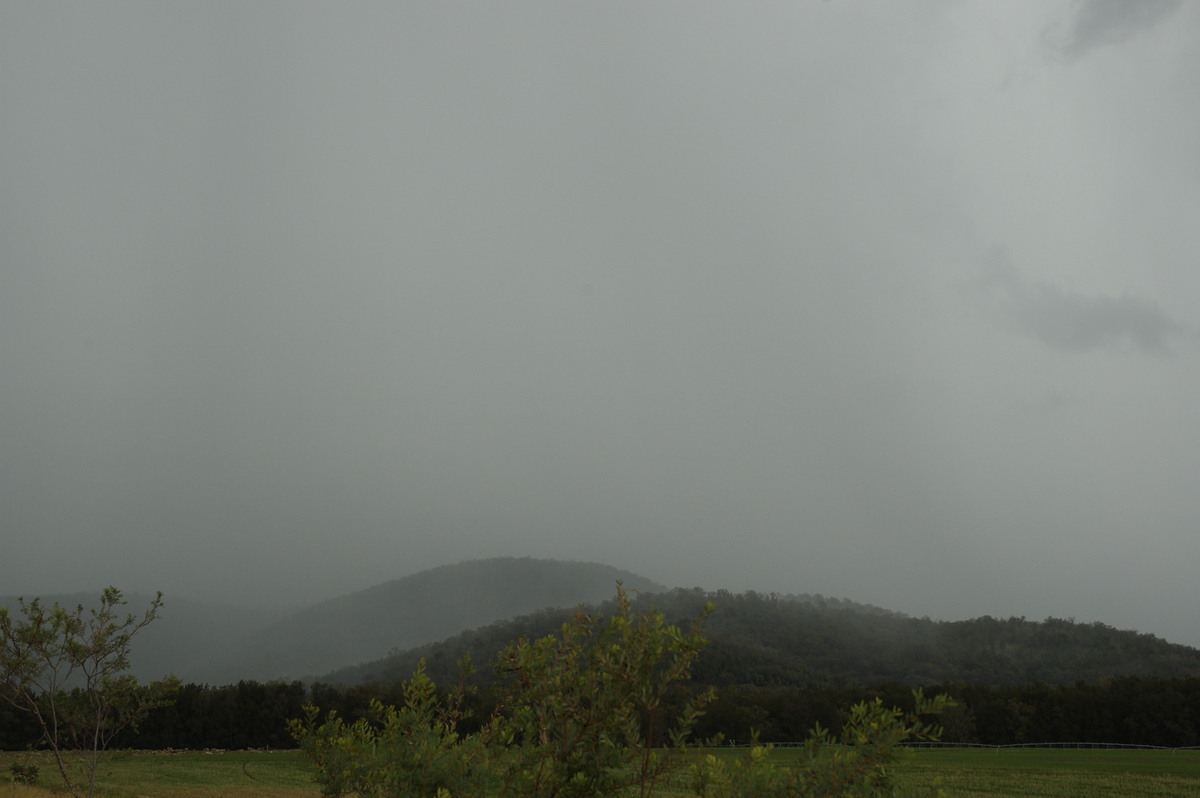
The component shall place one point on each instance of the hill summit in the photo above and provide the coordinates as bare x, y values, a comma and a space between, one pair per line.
421, 608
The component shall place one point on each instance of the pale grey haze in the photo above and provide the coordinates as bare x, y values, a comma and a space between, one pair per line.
890, 301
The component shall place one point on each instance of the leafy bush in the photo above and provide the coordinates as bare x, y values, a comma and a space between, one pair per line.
856, 765
410, 750
24, 774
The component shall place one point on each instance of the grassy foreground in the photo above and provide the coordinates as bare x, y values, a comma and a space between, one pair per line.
1055, 773
184, 774
965, 773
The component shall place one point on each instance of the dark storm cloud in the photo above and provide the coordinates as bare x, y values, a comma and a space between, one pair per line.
297, 298
1096, 23
1073, 321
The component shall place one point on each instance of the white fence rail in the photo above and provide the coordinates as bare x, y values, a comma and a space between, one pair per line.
927, 744
1106, 746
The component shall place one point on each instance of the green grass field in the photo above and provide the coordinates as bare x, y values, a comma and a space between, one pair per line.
184, 774
969, 773
978, 772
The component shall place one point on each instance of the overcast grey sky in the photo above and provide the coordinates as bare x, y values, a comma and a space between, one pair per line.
890, 301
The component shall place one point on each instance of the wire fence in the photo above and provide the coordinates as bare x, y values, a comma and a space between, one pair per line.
1081, 745
1055, 745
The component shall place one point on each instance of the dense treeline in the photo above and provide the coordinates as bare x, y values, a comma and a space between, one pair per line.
1126, 710
244, 715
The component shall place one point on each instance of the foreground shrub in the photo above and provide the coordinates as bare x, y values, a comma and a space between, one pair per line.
584, 709
856, 765
24, 774
411, 750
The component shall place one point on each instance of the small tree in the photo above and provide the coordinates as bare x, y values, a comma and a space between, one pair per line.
585, 710
67, 668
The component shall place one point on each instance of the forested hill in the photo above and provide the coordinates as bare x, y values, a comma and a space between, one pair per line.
423, 607
771, 640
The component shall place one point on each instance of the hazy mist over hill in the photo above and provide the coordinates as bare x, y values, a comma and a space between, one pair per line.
890, 301
477, 607
223, 644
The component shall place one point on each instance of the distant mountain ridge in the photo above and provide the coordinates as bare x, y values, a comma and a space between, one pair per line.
763, 641
420, 608
758, 640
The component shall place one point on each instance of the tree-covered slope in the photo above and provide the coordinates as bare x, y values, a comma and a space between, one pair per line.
846, 644
770, 640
